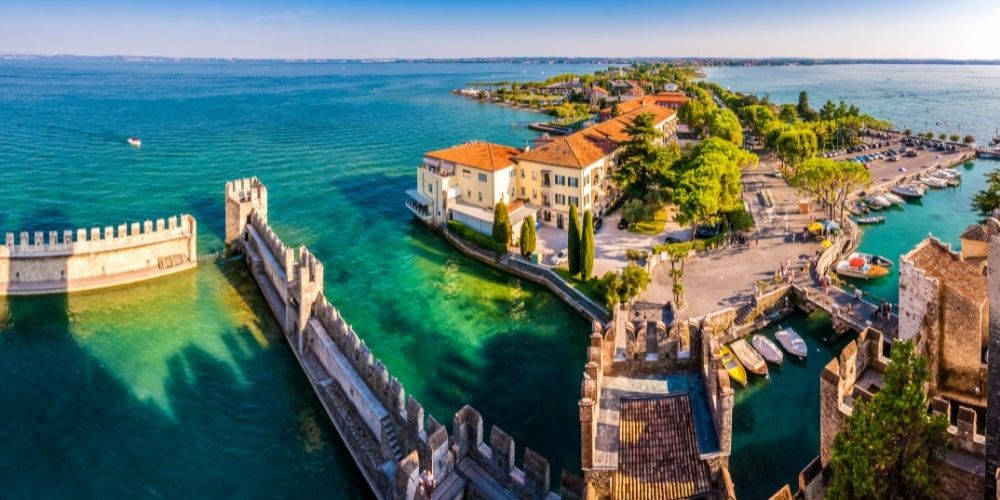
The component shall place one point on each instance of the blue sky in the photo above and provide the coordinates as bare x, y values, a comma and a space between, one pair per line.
959, 29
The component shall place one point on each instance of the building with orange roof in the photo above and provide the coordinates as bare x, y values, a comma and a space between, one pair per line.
465, 182
669, 100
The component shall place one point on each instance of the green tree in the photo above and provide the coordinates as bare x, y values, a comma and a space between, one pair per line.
796, 145
643, 165
528, 239
889, 447
787, 113
697, 197
803, 109
988, 200
635, 279
942, 136
573, 241
954, 137
757, 117
832, 182
908, 132
587, 246
969, 139
724, 124
502, 232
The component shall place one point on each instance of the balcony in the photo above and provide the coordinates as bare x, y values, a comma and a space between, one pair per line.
440, 171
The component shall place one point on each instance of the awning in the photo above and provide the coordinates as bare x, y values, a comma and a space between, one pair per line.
419, 197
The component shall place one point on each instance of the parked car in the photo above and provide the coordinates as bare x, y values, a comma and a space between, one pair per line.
622, 223
706, 231
672, 239
560, 258
598, 222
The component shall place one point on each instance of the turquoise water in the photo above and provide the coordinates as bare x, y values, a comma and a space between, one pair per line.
776, 420
184, 386
962, 99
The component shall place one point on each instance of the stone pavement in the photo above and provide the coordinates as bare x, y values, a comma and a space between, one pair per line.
723, 278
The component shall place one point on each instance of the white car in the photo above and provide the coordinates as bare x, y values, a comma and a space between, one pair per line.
560, 258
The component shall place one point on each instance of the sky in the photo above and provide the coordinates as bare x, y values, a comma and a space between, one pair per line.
957, 29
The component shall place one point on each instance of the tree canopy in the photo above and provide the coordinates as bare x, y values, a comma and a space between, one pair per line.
830, 181
988, 200
587, 246
889, 447
573, 241
643, 165
724, 124
502, 232
528, 240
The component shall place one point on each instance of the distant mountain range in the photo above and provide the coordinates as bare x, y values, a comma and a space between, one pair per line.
698, 61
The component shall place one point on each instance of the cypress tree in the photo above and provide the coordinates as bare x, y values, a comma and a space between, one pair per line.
573, 240
502, 231
527, 241
587, 246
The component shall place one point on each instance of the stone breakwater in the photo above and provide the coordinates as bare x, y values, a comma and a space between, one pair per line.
83, 259
401, 452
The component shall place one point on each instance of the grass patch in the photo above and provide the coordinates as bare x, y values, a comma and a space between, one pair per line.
652, 227
589, 287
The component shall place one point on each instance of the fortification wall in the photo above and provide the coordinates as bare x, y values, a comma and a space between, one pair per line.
82, 259
401, 452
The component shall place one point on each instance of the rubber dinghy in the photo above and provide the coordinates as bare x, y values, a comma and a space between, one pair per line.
792, 342
768, 349
749, 357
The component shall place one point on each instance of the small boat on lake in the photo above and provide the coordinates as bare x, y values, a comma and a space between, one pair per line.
733, 366
134, 142
878, 260
857, 266
947, 173
792, 342
934, 182
893, 198
882, 201
867, 221
749, 357
908, 191
768, 349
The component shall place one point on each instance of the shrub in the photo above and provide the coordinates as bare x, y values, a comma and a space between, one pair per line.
636, 255
476, 238
528, 239
739, 219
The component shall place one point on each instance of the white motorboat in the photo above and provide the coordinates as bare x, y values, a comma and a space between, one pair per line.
882, 201
749, 357
134, 141
934, 182
768, 349
792, 342
909, 191
893, 198
947, 173
878, 260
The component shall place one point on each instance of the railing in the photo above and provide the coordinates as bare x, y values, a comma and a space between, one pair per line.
418, 209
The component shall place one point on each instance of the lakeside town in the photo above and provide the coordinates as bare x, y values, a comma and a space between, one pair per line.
683, 219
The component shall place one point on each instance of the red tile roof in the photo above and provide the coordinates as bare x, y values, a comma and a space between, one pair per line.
937, 260
583, 148
481, 155
659, 456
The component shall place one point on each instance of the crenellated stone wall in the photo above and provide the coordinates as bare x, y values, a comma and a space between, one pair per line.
402, 452
85, 259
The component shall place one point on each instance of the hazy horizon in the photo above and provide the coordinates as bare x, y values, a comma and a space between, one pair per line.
446, 29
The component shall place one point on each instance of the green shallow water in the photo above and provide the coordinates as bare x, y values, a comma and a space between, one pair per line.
776, 420
183, 386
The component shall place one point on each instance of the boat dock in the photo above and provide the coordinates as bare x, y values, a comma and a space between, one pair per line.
988, 154
551, 129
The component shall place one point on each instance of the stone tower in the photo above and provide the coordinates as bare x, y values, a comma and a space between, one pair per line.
243, 197
993, 365
304, 288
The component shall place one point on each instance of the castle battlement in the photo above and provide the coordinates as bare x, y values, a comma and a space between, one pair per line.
96, 239
401, 451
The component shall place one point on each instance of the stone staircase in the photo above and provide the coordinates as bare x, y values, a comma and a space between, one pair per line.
391, 439
744, 315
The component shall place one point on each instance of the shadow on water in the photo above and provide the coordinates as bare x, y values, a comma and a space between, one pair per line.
210, 215
65, 415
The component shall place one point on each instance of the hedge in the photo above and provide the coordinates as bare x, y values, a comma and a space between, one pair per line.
476, 238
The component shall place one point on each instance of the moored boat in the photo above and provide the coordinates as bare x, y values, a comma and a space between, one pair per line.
858, 266
792, 342
134, 141
878, 260
908, 191
947, 173
749, 357
882, 201
934, 182
733, 366
767, 348
893, 198
870, 220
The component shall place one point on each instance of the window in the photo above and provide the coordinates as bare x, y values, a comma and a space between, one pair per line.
482, 177
574, 182
522, 192
573, 200
586, 180
470, 194
430, 187
522, 173
534, 175
560, 180
512, 173
480, 196
560, 199
465, 173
